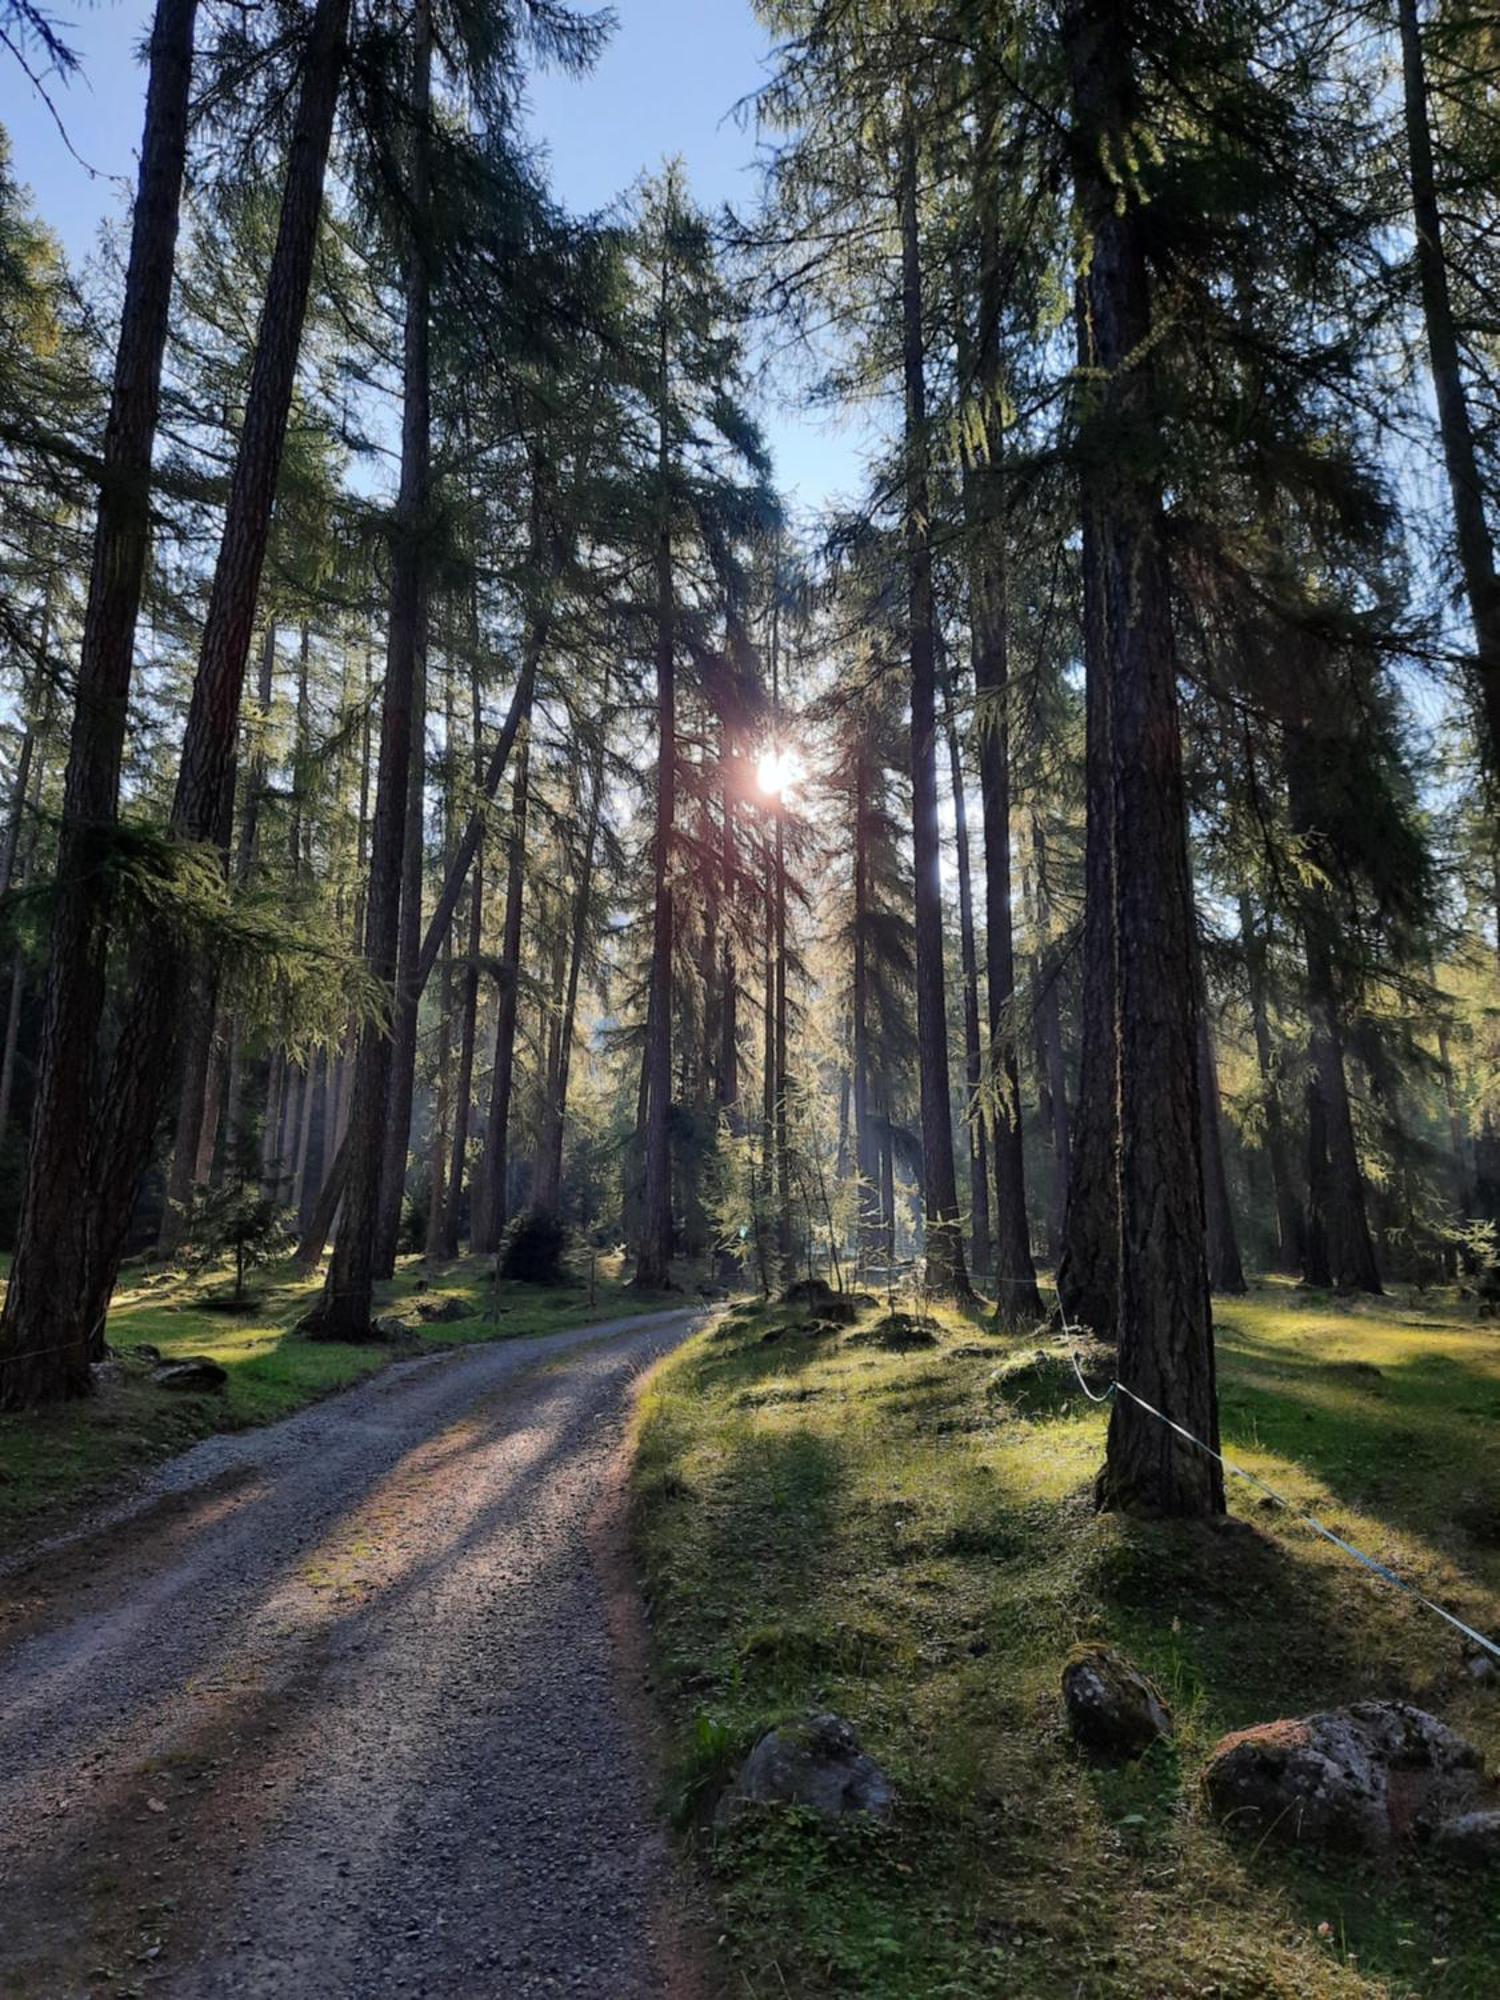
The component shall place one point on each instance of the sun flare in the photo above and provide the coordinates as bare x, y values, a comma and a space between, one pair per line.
779, 772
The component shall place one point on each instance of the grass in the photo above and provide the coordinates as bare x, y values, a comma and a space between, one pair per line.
823, 1523
54, 1462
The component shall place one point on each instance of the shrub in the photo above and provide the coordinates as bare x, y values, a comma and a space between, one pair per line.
534, 1248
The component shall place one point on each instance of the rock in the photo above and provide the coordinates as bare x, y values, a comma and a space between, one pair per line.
443, 1312
816, 1763
1113, 1709
194, 1372
390, 1327
1360, 1777
107, 1373
898, 1333
145, 1352
1473, 1837
809, 1292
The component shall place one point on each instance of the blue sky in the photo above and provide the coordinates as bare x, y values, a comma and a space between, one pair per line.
667, 84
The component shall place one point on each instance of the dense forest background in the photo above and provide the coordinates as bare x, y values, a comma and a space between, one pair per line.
453, 802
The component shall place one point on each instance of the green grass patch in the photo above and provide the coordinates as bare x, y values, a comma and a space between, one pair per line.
908, 1539
54, 1461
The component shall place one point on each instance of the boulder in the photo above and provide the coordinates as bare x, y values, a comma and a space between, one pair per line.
1472, 1837
1113, 1710
1363, 1777
194, 1372
443, 1312
809, 1292
390, 1327
816, 1763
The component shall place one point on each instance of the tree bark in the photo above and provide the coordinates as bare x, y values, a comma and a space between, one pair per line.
1475, 545
1278, 1156
1166, 1351
974, 1121
344, 1312
46, 1335
653, 1260
943, 1234
408, 992
492, 1195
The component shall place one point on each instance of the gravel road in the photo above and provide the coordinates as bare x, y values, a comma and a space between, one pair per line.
350, 1706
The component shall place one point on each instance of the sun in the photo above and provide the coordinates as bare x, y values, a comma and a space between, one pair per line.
779, 772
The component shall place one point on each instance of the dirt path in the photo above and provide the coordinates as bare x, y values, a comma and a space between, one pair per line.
344, 1708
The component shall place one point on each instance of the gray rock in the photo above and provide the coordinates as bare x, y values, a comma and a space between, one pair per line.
816, 1763
389, 1327
1472, 1836
1113, 1709
442, 1312
1363, 1777
194, 1372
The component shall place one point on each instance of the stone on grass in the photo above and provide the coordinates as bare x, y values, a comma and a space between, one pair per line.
442, 1312
1364, 1777
192, 1372
1473, 1837
816, 1763
1113, 1709
391, 1327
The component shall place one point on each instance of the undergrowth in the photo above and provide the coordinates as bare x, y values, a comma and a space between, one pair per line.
908, 1539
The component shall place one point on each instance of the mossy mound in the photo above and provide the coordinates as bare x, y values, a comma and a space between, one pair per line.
899, 1333
1040, 1381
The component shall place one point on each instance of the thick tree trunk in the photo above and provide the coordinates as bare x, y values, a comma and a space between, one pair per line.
943, 1234
202, 807
1166, 1351
345, 1310
408, 990
46, 1333
1088, 1271
1475, 545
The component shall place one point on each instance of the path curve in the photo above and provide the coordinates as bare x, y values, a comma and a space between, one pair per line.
336, 1707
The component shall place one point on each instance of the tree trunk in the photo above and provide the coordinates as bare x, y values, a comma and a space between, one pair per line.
408, 989
867, 1154
979, 1165
492, 1196
46, 1334
653, 1260
1476, 552
344, 1312
555, 1106
1166, 1350
1047, 1026
943, 1235
1278, 1156
1226, 1272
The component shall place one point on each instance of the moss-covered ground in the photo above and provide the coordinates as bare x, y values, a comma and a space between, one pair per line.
55, 1462
908, 1539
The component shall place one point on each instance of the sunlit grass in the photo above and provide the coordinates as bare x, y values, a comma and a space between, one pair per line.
825, 1523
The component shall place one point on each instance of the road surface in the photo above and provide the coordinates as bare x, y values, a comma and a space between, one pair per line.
350, 1706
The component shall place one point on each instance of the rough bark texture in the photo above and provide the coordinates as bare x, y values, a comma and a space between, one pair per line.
408, 992
979, 1163
653, 1258
491, 1197
344, 1311
1225, 1271
45, 1330
1088, 1270
1476, 551
943, 1234
1278, 1154
1165, 1327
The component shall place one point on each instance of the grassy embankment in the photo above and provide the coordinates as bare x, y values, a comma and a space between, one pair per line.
907, 1538
55, 1461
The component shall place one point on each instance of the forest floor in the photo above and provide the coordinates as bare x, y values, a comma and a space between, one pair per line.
58, 1463
908, 1540
355, 1708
